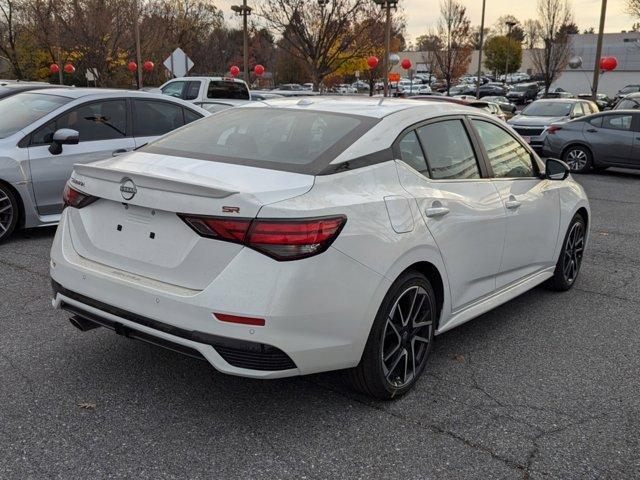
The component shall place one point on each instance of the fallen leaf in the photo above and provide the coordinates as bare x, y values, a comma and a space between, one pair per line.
87, 405
604, 234
459, 358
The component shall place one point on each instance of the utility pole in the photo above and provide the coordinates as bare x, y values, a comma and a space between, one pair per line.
138, 53
387, 5
510, 25
480, 49
244, 11
596, 67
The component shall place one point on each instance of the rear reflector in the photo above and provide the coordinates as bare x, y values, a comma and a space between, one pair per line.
76, 199
223, 317
282, 239
552, 129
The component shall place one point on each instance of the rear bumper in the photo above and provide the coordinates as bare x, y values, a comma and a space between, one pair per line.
318, 311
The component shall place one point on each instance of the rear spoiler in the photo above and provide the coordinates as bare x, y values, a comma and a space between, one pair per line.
152, 181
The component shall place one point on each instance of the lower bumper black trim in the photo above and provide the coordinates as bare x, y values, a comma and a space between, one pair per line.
239, 353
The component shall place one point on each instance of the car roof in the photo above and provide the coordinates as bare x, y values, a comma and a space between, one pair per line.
372, 107
76, 93
633, 95
561, 100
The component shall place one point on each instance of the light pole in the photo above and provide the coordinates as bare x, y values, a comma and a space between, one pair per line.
596, 67
138, 53
510, 25
244, 11
480, 50
387, 5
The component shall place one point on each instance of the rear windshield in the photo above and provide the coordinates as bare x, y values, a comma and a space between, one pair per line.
548, 109
19, 111
227, 89
521, 88
280, 139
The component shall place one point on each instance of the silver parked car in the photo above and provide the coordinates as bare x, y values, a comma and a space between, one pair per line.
607, 139
44, 133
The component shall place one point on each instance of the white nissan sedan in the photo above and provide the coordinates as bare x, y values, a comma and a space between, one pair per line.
298, 236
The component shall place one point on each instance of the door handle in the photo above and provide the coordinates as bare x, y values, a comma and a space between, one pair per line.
436, 210
512, 204
119, 151
592, 130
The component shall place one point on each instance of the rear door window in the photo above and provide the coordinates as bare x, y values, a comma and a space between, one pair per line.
191, 116
192, 91
411, 152
617, 122
449, 151
152, 118
97, 121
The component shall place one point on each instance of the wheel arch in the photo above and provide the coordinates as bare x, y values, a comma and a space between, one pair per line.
18, 197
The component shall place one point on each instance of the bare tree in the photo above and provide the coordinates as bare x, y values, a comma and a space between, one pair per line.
323, 37
553, 57
454, 36
531, 33
10, 28
632, 7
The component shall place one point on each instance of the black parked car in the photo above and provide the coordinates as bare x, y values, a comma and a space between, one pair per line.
607, 139
523, 93
623, 92
462, 89
494, 89
630, 102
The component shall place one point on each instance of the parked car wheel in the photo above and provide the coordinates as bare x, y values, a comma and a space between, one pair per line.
570, 260
8, 212
400, 340
578, 158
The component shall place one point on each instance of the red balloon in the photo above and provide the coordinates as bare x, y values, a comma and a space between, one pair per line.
608, 63
372, 62
54, 68
148, 65
68, 68
234, 71
132, 66
406, 64
258, 69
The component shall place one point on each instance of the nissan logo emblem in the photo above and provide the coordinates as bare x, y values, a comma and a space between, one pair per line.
128, 189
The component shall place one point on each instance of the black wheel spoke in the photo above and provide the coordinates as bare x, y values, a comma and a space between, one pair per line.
406, 336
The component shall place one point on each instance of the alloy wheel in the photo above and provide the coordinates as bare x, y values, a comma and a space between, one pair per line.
573, 252
6, 213
577, 160
406, 336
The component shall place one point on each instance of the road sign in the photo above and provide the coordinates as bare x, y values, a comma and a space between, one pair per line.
178, 63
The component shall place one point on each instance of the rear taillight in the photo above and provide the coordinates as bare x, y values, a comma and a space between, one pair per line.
552, 129
76, 199
282, 239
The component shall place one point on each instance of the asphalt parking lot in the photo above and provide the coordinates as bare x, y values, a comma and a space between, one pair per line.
547, 386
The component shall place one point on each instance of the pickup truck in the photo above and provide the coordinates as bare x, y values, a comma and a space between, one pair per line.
208, 92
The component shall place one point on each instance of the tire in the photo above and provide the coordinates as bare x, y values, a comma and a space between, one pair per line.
8, 212
578, 158
396, 354
570, 259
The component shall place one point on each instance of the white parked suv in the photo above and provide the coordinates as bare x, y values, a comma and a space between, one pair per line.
292, 237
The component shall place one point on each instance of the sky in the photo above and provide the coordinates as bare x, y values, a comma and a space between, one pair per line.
423, 14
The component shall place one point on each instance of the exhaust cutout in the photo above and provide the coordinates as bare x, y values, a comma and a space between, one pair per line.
83, 324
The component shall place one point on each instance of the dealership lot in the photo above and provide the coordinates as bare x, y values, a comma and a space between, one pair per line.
545, 386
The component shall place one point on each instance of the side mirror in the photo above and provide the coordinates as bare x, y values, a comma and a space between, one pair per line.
556, 169
63, 136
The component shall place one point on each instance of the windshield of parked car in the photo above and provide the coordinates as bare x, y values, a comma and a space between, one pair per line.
548, 109
19, 111
276, 138
628, 104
